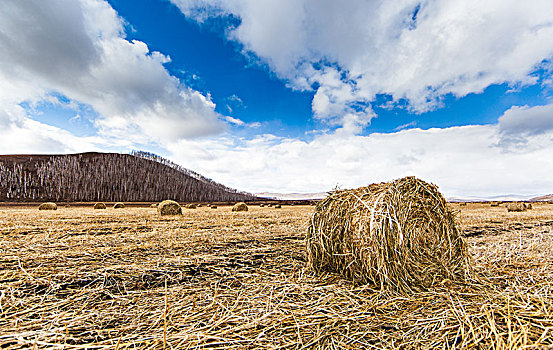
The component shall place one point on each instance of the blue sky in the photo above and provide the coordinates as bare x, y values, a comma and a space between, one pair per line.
289, 96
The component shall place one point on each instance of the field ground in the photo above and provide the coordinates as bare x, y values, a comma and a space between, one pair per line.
80, 278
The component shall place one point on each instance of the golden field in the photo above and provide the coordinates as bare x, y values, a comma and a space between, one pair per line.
78, 278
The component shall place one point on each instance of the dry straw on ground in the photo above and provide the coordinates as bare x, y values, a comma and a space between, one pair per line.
118, 205
397, 235
99, 205
48, 206
131, 279
169, 207
240, 207
516, 207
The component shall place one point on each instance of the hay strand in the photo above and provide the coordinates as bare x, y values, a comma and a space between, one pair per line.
48, 206
240, 207
169, 207
397, 235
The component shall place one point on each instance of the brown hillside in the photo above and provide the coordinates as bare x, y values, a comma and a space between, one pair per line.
105, 177
546, 198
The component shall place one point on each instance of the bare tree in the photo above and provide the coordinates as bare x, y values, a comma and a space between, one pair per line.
139, 176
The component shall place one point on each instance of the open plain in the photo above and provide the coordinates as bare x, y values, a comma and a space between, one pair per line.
79, 278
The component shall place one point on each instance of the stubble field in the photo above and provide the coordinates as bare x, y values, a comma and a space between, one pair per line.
80, 278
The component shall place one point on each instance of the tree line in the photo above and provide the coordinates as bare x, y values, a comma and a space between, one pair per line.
136, 177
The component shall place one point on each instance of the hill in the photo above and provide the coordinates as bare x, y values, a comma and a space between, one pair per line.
109, 177
546, 198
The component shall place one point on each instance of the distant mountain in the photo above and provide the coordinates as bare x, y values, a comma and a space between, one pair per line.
292, 196
546, 198
109, 177
502, 198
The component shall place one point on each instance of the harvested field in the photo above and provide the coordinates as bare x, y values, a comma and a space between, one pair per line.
78, 278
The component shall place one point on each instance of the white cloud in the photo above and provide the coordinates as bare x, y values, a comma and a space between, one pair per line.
524, 121
21, 135
356, 49
78, 49
463, 161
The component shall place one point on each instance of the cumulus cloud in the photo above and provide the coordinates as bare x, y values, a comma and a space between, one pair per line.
417, 50
525, 121
463, 161
78, 49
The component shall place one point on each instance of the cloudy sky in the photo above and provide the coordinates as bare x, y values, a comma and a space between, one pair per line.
290, 95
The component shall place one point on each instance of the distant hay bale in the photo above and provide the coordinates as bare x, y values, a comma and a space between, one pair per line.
240, 207
199, 205
118, 205
213, 206
516, 207
261, 205
463, 204
48, 206
397, 235
528, 206
154, 205
278, 206
190, 206
269, 205
99, 205
169, 207
494, 204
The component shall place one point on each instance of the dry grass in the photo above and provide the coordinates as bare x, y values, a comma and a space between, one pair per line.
398, 235
169, 207
48, 206
240, 207
78, 278
99, 205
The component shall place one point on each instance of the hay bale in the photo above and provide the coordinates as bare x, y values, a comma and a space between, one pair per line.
169, 207
516, 207
528, 206
397, 235
190, 206
278, 206
48, 206
153, 205
494, 204
463, 204
240, 207
213, 206
261, 205
118, 205
99, 205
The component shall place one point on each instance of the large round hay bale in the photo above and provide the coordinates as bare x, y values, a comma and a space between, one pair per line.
118, 205
240, 207
99, 205
169, 207
190, 206
516, 207
48, 206
397, 235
